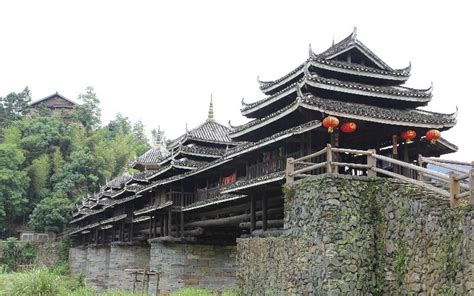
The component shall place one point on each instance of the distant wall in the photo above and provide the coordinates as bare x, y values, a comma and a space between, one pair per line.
355, 236
97, 268
192, 265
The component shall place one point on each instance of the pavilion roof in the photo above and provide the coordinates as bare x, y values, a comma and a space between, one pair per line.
364, 112
207, 132
151, 158
325, 60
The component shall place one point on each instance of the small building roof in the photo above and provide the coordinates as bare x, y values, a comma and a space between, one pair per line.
63, 102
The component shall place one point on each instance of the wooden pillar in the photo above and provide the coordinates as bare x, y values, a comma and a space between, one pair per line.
454, 190
131, 231
96, 235
181, 224
151, 226
170, 218
162, 225
122, 228
113, 232
471, 184
253, 216
406, 171
264, 211
328, 159
372, 163
290, 168
154, 225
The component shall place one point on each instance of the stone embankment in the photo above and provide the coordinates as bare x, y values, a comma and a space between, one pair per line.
360, 236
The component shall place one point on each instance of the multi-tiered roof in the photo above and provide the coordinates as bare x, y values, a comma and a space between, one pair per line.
347, 80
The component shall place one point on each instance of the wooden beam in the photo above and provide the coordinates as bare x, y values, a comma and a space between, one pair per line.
252, 213
181, 223
270, 223
234, 220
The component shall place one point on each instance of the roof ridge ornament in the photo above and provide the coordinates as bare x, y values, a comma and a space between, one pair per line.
158, 138
230, 125
310, 50
210, 115
243, 103
354, 33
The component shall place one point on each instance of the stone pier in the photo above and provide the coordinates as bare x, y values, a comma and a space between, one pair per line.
192, 265
126, 256
97, 270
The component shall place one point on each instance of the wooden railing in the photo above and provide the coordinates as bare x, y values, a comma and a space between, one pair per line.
457, 185
205, 194
180, 199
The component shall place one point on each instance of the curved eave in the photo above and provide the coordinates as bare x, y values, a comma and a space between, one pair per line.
199, 154
306, 103
170, 167
397, 75
419, 96
250, 108
447, 125
268, 86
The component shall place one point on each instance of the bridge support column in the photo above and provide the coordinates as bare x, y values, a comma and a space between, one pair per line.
191, 265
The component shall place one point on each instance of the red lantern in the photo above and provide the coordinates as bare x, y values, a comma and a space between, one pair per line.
349, 127
433, 135
330, 122
408, 135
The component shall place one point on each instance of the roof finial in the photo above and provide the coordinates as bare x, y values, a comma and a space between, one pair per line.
158, 138
210, 115
186, 127
333, 40
354, 33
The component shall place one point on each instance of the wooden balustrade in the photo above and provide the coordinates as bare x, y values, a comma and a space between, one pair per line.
456, 185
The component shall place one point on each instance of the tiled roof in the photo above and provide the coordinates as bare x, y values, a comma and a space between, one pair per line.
209, 131
359, 111
118, 182
349, 42
151, 158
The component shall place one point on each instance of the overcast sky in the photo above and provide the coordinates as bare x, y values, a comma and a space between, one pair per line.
159, 61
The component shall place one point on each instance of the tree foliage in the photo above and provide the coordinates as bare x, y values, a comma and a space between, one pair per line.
50, 160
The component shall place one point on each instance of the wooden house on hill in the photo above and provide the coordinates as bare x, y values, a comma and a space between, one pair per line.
55, 102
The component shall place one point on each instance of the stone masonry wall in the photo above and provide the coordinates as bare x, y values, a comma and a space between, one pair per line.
192, 265
78, 260
360, 236
97, 269
124, 256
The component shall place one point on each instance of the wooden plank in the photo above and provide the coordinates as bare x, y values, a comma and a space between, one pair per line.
309, 168
411, 166
234, 220
446, 161
318, 153
350, 151
444, 165
353, 165
413, 181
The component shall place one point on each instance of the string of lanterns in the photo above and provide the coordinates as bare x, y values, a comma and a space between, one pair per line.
332, 122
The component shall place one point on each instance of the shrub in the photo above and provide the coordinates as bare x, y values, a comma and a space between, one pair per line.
15, 254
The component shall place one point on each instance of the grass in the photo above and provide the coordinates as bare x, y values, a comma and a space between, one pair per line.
53, 282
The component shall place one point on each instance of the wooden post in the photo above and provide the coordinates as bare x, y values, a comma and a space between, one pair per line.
454, 190
131, 231
170, 218
290, 168
122, 228
420, 164
158, 281
253, 216
471, 183
264, 211
372, 163
328, 159
154, 225
181, 223
151, 226
162, 225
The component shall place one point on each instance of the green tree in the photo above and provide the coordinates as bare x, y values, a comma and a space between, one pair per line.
88, 112
14, 106
52, 213
39, 172
13, 184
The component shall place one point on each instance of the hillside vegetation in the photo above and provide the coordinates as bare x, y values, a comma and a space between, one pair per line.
49, 159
